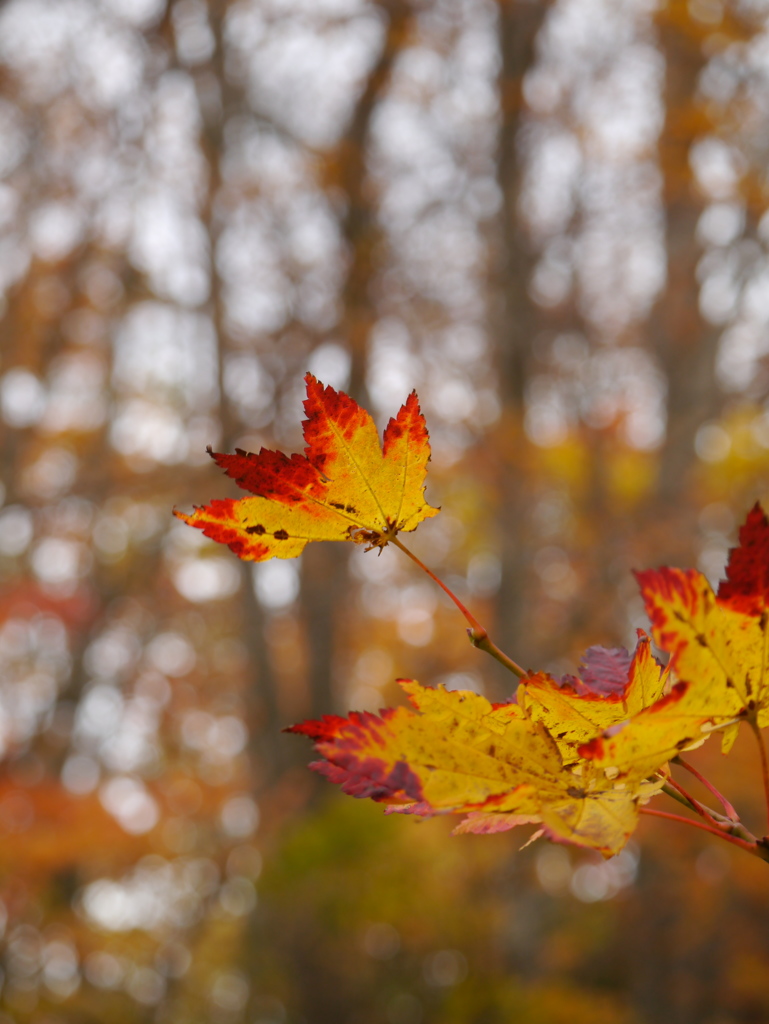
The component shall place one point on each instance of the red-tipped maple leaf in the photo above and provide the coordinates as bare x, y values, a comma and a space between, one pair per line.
575, 711
719, 653
346, 486
462, 755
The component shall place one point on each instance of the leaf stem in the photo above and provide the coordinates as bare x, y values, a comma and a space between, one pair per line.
754, 847
731, 826
668, 790
701, 809
478, 636
730, 811
764, 762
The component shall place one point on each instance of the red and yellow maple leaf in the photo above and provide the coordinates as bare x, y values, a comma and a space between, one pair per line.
686, 622
461, 754
718, 646
716, 650
642, 746
346, 486
718, 643
612, 689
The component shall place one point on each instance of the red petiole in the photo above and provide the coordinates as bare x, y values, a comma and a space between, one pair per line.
750, 847
728, 809
478, 635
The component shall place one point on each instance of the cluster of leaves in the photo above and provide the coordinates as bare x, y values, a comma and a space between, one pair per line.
580, 756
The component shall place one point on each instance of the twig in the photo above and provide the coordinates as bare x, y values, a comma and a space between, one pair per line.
669, 791
730, 811
701, 809
750, 847
478, 636
764, 763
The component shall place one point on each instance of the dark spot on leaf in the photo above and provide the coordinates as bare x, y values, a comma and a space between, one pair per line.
351, 509
337, 504
258, 529
280, 535
576, 793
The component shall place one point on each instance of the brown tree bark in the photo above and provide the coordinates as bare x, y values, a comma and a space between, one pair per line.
348, 172
516, 321
684, 342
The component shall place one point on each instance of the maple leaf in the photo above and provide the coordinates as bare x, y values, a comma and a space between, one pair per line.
702, 640
346, 486
460, 751
602, 670
461, 754
577, 710
603, 820
718, 652
642, 746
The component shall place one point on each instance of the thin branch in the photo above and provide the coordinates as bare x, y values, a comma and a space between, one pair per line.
731, 826
478, 636
701, 809
730, 811
482, 640
749, 847
675, 795
467, 614
764, 761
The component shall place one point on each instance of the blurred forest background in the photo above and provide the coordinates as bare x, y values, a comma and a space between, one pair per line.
547, 216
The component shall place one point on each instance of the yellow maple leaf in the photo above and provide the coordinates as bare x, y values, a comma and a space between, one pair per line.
347, 486
642, 746
574, 713
601, 821
718, 654
719, 651
462, 754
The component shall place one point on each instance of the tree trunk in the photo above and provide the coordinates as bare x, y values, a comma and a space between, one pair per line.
516, 322
684, 342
